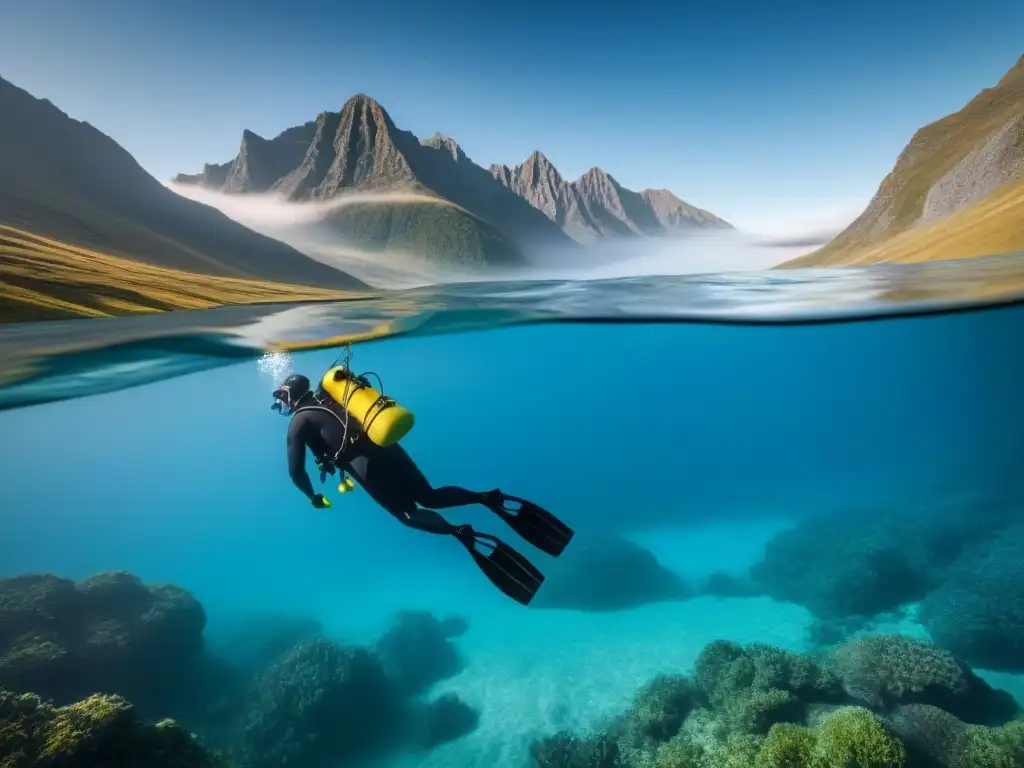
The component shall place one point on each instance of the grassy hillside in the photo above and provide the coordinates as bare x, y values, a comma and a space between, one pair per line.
993, 226
952, 170
63, 179
46, 279
439, 232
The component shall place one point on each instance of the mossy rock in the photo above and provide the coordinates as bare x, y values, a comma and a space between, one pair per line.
787, 746
93, 718
937, 738
851, 737
99, 730
725, 670
661, 706
883, 671
737, 751
1001, 747
756, 711
793, 672
680, 754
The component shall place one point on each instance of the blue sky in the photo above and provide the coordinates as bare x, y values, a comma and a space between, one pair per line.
779, 116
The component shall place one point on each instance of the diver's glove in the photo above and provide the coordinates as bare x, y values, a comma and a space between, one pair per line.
320, 501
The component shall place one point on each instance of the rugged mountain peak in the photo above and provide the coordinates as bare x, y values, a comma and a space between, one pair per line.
597, 176
362, 101
539, 170
360, 148
596, 180
660, 195
676, 214
502, 173
447, 145
595, 205
352, 149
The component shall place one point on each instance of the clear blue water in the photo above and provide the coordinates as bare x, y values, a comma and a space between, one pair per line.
699, 441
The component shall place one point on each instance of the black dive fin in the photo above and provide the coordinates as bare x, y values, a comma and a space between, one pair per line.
535, 524
508, 570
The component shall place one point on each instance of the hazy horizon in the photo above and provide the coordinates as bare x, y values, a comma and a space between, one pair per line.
781, 119
297, 224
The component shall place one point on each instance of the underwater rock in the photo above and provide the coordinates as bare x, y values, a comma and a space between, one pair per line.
444, 719
850, 737
259, 639
660, 707
758, 706
101, 730
608, 573
725, 669
417, 652
978, 612
934, 737
883, 671
109, 633
319, 705
863, 564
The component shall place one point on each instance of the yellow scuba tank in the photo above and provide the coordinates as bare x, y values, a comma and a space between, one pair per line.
383, 420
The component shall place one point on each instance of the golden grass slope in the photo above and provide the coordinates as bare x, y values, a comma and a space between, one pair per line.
993, 226
46, 279
932, 153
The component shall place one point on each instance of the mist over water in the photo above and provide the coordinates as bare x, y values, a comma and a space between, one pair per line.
301, 225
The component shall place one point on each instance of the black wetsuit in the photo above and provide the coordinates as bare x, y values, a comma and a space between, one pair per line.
388, 475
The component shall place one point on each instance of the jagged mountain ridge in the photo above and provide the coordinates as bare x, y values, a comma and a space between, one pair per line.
63, 179
953, 167
509, 210
596, 206
361, 149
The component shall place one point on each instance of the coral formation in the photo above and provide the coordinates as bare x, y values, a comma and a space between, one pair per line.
850, 737
417, 651
444, 719
978, 611
320, 702
937, 738
97, 732
285, 693
866, 563
886, 670
757, 706
608, 573
109, 633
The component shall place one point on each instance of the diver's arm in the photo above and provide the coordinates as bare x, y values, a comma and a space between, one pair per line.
297, 463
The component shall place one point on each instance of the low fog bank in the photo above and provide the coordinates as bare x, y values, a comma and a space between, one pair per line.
300, 225
699, 252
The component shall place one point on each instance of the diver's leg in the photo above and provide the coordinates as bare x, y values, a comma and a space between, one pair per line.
395, 494
400, 464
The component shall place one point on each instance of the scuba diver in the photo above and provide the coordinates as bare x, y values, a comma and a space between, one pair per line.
340, 437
